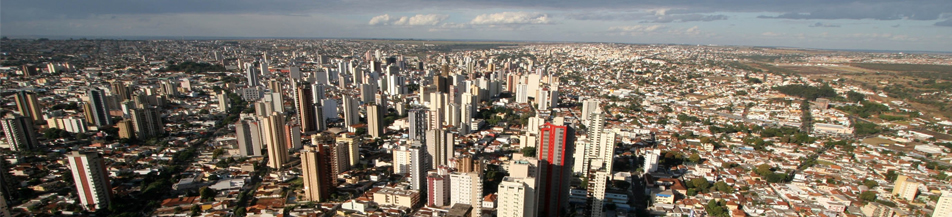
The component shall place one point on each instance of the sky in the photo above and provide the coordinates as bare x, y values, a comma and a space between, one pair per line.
909, 25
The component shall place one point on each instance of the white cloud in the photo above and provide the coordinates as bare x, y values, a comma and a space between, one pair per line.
415, 20
380, 20
511, 18
771, 34
636, 28
692, 30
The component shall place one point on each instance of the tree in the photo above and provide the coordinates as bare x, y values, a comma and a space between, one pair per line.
870, 183
207, 193
723, 187
217, 153
695, 158
854, 96
529, 151
763, 169
891, 175
867, 196
196, 210
701, 183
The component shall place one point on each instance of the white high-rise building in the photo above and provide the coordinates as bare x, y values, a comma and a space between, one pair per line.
601, 184
587, 107
532, 87
396, 85
547, 99
522, 93
943, 208
418, 167
516, 197
532, 128
651, 160
401, 160
517, 194
453, 115
467, 189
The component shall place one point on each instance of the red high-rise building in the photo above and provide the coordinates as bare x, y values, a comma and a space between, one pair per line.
554, 150
91, 179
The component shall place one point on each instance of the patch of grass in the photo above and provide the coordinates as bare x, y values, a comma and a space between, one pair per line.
904, 67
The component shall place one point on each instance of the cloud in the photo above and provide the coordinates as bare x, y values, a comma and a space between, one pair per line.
925, 10
820, 24
415, 20
687, 18
380, 20
944, 23
771, 34
648, 16
636, 28
692, 30
605, 15
511, 18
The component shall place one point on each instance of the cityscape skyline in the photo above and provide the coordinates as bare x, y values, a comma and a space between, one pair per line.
923, 25
504, 126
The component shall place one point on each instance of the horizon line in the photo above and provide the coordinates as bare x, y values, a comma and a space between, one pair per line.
74, 37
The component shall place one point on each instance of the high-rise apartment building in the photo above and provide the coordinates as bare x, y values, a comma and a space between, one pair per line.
305, 109
467, 189
351, 114
375, 125
417, 119
19, 132
274, 137
316, 171
96, 108
439, 147
943, 208
352, 143
147, 122
401, 160
906, 188
28, 106
555, 144
517, 197
419, 164
249, 137
651, 160
91, 179
438, 192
